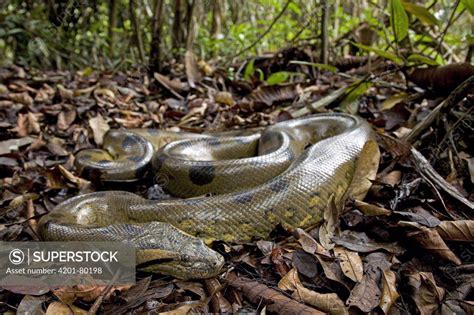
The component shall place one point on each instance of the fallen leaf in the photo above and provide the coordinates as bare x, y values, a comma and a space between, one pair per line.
305, 263
426, 294
328, 228
31, 305
99, 127
350, 262
192, 70
8, 146
360, 242
308, 243
389, 290
33, 124
275, 301
370, 209
65, 119
366, 293
419, 215
22, 98
460, 230
430, 240
393, 100
225, 98
64, 309
329, 302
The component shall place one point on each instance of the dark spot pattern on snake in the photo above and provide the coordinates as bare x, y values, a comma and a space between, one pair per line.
279, 185
202, 175
244, 197
214, 142
129, 141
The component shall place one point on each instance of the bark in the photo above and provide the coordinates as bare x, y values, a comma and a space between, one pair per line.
324, 32
155, 49
136, 31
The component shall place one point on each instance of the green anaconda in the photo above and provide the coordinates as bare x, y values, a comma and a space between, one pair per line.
243, 184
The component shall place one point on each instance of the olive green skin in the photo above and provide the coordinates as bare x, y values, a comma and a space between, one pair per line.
301, 166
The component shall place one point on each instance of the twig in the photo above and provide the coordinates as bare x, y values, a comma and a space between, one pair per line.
324, 32
266, 31
427, 170
452, 99
450, 21
275, 301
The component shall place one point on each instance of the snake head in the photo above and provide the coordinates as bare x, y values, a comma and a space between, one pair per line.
168, 250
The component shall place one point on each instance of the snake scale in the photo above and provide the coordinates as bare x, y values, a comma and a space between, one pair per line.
238, 185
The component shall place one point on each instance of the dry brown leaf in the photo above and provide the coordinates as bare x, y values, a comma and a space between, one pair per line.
225, 98
325, 302
332, 270
426, 294
393, 178
328, 228
329, 302
21, 98
99, 127
430, 240
273, 93
287, 283
360, 242
366, 293
56, 308
218, 302
350, 262
192, 70
80, 182
276, 302
305, 263
389, 290
31, 305
33, 124
65, 119
87, 293
460, 230
22, 125
10, 145
366, 170
370, 209
308, 243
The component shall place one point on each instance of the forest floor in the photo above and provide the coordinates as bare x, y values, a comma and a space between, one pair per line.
406, 248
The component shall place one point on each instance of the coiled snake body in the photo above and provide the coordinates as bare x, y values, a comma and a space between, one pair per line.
287, 174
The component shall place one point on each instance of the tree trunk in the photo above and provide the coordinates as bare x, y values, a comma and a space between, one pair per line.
324, 32
136, 31
178, 33
155, 49
112, 25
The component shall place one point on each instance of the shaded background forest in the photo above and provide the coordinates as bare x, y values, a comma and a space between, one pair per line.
116, 34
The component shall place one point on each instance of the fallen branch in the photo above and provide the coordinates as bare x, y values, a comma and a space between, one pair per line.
275, 301
427, 170
452, 99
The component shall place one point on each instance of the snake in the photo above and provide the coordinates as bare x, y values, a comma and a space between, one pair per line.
233, 186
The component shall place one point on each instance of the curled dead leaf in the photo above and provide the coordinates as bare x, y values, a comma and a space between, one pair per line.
389, 290
430, 240
460, 230
99, 127
350, 262
426, 294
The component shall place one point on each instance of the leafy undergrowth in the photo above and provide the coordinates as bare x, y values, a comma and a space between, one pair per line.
407, 248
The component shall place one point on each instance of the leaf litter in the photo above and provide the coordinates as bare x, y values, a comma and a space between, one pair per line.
405, 248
